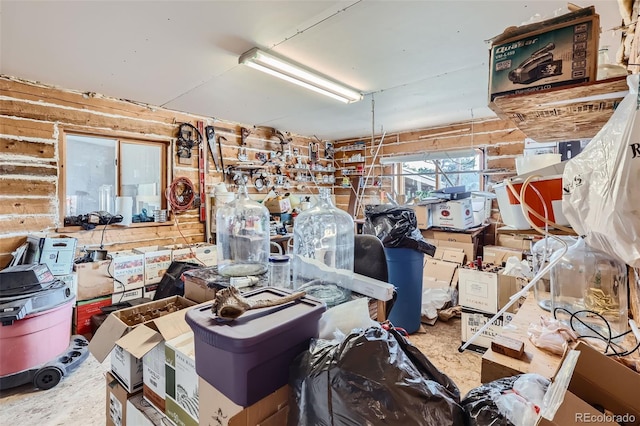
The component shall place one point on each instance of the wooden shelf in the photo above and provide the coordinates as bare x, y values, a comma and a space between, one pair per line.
560, 114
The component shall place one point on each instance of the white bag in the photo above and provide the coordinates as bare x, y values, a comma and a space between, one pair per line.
601, 197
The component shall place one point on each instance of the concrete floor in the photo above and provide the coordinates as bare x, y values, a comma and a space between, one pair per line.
79, 399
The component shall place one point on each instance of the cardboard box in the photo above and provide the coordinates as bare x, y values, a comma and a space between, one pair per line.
220, 410
455, 214
278, 205
201, 253
198, 291
557, 52
487, 291
516, 241
473, 320
121, 322
127, 369
441, 270
116, 403
181, 402
127, 295
599, 380
83, 312
156, 261
423, 216
467, 241
147, 342
496, 254
94, 279
127, 269
141, 413
57, 252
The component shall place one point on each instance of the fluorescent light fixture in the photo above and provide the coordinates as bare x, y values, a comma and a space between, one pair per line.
286, 70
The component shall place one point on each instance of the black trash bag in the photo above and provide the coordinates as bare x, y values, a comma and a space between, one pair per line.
373, 377
396, 227
480, 407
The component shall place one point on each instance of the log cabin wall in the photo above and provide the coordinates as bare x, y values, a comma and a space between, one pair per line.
33, 119
501, 140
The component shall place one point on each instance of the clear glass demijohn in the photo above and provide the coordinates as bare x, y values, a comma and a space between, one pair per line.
586, 279
323, 244
542, 251
242, 236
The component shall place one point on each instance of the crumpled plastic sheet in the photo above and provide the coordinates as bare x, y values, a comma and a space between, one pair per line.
372, 377
396, 227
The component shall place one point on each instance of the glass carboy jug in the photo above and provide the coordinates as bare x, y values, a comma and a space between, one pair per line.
242, 236
588, 279
541, 252
323, 244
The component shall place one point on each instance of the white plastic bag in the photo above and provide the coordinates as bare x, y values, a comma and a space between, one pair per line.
521, 406
601, 197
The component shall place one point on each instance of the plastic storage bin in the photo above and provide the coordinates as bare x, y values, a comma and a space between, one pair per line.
248, 358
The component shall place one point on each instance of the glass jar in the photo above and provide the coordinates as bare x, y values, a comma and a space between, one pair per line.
279, 271
323, 244
588, 279
242, 236
541, 253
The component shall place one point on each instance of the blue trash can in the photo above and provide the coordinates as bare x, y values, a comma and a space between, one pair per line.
405, 273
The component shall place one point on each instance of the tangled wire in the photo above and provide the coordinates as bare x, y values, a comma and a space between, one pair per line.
180, 194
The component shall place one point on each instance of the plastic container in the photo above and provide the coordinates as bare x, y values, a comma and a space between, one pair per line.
323, 244
541, 252
405, 273
242, 233
588, 279
279, 271
249, 358
530, 163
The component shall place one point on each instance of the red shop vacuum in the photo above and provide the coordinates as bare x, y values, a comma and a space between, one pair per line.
35, 336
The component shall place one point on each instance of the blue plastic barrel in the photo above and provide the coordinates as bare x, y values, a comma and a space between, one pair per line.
405, 273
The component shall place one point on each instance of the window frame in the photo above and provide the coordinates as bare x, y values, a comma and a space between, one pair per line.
165, 166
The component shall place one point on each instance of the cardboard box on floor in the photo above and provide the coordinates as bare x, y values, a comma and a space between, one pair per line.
487, 291
599, 380
141, 413
116, 402
219, 410
441, 270
473, 320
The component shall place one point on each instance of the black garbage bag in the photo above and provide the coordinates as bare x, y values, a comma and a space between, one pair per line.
372, 377
396, 227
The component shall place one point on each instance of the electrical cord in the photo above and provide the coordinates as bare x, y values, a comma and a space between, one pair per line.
180, 194
608, 337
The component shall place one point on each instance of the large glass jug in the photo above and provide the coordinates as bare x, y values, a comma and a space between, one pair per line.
323, 241
242, 236
588, 279
541, 252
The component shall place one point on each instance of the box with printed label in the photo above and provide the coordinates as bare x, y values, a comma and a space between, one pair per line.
181, 381
557, 52
128, 270
220, 410
58, 252
127, 369
72, 281
487, 291
468, 240
473, 320
83, 312
455, 214
116, 402
196, 253
150, 291
156, 261
127, 295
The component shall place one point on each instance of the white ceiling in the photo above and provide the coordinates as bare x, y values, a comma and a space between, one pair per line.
423, 63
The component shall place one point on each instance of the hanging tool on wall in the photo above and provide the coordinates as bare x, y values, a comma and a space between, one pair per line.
244, 134
220, 139
313, 152
202, 170
210, 133
188, 137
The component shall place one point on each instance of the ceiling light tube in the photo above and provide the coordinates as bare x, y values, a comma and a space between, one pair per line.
266, 62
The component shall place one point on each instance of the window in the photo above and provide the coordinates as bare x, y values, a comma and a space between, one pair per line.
98, 169
417, 174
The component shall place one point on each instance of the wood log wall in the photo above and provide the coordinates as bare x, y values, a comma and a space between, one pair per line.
501, 140
33, 119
